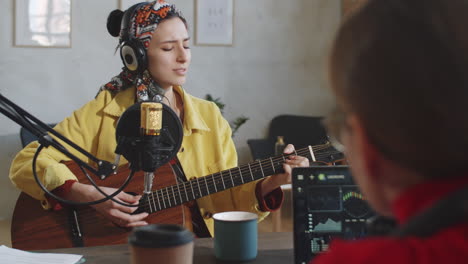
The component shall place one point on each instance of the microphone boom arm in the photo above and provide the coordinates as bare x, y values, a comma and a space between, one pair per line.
166, 149
40, 130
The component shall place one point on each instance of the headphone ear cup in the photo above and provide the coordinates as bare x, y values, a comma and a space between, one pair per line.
133, 55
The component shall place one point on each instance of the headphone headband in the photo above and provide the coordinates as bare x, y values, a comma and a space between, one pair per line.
132, 50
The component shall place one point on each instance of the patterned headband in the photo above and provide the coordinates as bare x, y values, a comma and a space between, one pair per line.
145, 20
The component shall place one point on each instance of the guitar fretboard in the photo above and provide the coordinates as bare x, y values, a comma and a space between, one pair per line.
194, 189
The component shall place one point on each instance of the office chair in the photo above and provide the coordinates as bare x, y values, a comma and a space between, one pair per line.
27, 137
300, 131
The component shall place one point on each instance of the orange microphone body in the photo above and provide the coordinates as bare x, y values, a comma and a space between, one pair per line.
151, 118
150, 128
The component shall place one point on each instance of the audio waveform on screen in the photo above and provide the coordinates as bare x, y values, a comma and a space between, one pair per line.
328, 226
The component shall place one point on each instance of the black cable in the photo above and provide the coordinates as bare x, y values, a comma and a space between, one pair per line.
44, 132
18, 114
70, 202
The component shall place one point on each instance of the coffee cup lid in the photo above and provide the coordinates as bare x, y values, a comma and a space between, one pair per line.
160, 236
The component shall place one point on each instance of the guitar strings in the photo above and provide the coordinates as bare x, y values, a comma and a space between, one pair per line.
88, 214
230, 177
234, 178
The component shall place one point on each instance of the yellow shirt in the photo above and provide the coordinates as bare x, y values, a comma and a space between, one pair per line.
207, 145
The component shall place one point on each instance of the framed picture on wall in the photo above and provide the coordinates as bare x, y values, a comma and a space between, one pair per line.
125, 4
42, 23
214, 21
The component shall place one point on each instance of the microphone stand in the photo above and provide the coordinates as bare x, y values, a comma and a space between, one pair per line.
41, 131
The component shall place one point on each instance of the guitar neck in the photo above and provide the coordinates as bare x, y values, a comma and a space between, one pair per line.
194, 189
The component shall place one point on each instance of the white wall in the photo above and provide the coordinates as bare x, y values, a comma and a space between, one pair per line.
274, 67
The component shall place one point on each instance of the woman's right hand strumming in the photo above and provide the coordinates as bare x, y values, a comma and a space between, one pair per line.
116, 213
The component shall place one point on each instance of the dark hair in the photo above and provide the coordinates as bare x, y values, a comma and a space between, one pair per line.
172, 14
402, 67
113, 22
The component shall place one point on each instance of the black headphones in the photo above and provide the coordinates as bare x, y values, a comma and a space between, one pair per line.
132, 50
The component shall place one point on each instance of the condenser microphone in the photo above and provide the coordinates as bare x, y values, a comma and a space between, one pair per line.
150, 129
149, 134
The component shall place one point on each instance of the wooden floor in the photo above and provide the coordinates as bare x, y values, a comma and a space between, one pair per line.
5, 238
269, 225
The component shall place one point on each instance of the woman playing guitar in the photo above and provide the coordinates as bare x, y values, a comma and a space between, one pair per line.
154, 46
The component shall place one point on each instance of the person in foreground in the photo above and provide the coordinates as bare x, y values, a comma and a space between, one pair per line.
161, 33
399, 71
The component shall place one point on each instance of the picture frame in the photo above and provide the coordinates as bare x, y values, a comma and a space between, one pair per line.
125, 4
214, 21
42, 23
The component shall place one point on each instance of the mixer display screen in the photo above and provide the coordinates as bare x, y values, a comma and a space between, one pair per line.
327, 204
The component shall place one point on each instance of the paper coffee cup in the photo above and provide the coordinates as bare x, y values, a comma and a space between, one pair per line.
161, 243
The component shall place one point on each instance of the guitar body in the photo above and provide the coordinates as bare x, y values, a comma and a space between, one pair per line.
34, 228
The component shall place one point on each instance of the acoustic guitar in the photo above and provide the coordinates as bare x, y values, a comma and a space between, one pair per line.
34, 228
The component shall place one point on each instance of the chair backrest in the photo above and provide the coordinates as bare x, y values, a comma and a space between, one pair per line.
261, 148
300, 131
27, 137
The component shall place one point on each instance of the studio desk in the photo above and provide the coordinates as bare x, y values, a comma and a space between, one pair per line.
273, 248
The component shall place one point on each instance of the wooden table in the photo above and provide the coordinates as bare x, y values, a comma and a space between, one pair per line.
276, 247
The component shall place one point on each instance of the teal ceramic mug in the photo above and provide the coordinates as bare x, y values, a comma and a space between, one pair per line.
235, 236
